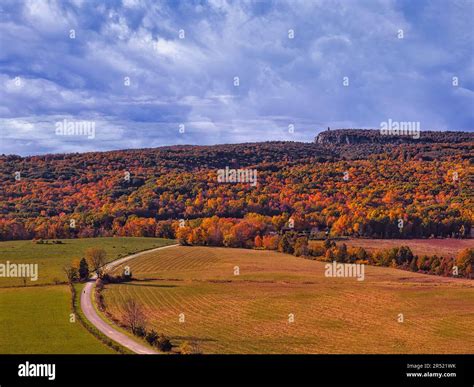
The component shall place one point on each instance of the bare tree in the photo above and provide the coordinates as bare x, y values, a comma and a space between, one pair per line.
71, 273
96, 259
133, 316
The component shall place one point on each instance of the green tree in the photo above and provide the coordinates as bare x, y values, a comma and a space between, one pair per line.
83, 270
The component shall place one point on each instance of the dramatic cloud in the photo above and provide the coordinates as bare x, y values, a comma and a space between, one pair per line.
143, 71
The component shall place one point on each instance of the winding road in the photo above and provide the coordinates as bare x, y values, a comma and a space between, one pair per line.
108, 330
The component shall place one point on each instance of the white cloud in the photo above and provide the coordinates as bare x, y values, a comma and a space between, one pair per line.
190, 80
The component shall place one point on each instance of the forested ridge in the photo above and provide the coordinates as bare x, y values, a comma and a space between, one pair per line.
360, 187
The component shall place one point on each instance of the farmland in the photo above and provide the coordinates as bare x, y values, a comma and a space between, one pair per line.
251, 301
52, 257
440, 247
36, 319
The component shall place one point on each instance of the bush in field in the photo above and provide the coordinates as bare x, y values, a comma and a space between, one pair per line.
328, 244
301, 247
403, 255
163, 343
446, 266
413, 264
389, 257
361, 254
434, 263
329, 256
316, 249
340, 253
377, 258
140, 331
151, 337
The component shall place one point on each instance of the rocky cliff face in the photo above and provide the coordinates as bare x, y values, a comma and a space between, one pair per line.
374, 136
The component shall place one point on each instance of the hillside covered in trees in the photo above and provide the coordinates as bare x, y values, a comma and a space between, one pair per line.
361, 187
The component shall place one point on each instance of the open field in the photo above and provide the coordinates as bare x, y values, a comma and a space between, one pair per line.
35, 319
52, 257
249, 312
439, 247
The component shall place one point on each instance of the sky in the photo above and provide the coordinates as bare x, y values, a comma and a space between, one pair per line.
140, 74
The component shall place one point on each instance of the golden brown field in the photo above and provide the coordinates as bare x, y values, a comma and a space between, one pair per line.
249, 312
439, 247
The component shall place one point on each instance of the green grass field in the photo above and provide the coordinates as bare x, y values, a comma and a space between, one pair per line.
52, 257
38, 321
249, 312
35, 319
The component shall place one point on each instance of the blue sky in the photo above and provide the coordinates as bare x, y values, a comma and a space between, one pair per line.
47, 77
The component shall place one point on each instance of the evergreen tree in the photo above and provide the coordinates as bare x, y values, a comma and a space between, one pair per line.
83, 270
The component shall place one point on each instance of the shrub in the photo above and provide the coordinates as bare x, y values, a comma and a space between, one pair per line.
151, 337
423, 263
361, 254
163, 344
328, 244
413, 265
99, 285
285, 245
301, 247
139, 331
317, 251
403, 255
340, 253
329, 256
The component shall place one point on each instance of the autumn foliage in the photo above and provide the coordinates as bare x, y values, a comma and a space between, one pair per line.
355, 189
